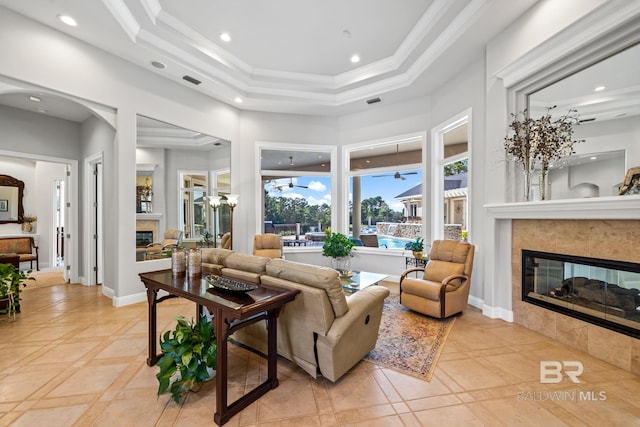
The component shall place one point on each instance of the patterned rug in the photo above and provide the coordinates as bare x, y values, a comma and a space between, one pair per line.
409, 342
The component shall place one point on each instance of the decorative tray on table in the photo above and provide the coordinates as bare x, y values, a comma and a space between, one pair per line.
229, 285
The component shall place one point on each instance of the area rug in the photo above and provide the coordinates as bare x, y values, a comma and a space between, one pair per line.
409, 342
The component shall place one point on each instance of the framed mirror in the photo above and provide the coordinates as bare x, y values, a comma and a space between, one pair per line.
166, 155
11, 193
606, 98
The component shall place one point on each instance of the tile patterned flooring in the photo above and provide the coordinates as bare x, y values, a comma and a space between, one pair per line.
71, 359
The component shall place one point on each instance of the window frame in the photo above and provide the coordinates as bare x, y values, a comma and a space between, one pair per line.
289, 149
383, 142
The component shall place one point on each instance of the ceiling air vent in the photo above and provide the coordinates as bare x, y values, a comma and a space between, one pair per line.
587, 120
373, 100
191, 80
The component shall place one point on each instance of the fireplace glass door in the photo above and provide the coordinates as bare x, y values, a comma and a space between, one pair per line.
604, 292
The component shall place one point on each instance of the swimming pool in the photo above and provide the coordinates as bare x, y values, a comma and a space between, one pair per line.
392, 242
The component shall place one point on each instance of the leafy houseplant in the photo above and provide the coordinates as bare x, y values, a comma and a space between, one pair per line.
338, 247
416, 247
188, 350
10, 280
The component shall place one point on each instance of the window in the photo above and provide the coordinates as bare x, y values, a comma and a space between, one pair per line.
450, 147
385, 190
297, 188
194, 213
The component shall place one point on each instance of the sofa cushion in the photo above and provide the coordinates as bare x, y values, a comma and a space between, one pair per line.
311, 275
215, 255
248, 263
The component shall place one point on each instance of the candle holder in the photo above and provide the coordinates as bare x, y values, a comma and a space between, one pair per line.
194, 262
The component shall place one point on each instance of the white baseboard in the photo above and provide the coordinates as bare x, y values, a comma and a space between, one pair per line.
129, 299
498, 313
107, 292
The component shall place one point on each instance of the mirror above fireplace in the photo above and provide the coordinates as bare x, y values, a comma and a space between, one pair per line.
606, 96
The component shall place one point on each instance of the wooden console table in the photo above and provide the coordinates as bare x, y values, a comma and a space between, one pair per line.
231, 311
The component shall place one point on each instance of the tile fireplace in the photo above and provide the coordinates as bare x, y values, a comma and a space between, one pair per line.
600, 291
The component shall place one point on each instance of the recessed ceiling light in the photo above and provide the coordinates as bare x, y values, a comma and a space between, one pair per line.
34, 98
42, 110
66, 19
593, 158
355, 59
225, 37
159, 65
238, 100
599, 88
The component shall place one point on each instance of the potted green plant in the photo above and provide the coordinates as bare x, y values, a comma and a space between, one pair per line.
338, 247
188, 357
416, 247
11, 278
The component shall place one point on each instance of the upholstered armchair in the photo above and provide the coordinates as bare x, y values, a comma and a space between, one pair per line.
225, 241
268, 245
172, 237
443, 289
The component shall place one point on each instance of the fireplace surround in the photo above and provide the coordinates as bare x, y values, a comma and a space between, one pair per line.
600, 291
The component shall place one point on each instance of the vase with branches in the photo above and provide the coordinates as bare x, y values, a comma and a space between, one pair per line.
540, 141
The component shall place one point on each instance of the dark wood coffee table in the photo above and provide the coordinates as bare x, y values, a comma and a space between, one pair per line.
231, 311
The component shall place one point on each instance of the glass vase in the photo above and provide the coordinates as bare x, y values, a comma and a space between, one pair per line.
543, 184
342, 265
527, 186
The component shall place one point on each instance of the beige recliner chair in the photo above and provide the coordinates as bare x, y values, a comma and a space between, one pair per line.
269, 245
225, 241
443, 289
172, 237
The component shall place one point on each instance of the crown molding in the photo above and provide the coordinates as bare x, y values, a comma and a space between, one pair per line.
124, 17
226, 76
582, 39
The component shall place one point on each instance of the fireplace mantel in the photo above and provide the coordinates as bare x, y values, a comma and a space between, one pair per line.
614, 207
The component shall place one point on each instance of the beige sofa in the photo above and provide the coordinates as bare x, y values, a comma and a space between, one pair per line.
322, 330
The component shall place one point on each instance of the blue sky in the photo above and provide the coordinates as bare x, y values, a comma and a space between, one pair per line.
319, 190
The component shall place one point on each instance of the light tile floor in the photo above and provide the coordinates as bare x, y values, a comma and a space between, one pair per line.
71, 359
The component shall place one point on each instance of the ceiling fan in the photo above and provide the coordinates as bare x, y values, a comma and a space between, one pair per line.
291, 184
397, 175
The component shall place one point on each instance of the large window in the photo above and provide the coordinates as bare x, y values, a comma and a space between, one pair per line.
385, 191
297, 192
450, 149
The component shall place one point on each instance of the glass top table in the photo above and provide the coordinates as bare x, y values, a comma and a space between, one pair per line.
359, 280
